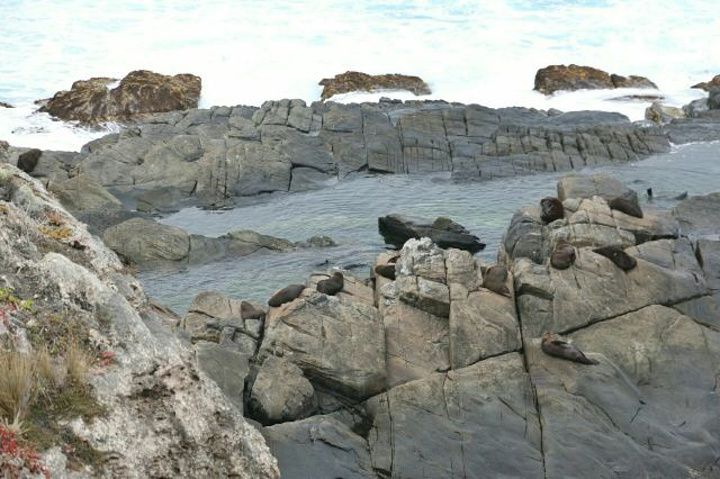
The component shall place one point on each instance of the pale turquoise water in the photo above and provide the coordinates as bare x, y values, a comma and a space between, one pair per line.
348, 212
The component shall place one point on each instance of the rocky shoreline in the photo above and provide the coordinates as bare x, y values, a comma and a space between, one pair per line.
438, 371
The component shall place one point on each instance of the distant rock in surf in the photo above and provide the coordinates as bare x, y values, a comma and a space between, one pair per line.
357, 81
708, 85
663, 114
552, 78
140, 92
5, 105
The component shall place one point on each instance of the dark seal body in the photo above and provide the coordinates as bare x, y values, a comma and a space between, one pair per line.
626, 206
563, 350
29, 160
551, 209
495, 279
386, 271
563, 256
285, 295
250, 311
617, 255
332, 285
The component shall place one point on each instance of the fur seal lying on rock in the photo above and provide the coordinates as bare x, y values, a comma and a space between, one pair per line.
285, 295
626, 206
617, 255
250, 311
563, 256
386, 271
551, 209
564, 350
495, 279
332, 285
29, 160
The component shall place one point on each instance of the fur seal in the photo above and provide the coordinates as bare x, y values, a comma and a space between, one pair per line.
285, 295
29, 160
250, 311
386, 271
563, 256
551, 209
332, 285
649, 193
564, 350
617, 255
495, 279
626, 206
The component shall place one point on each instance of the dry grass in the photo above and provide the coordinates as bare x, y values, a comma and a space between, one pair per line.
18, 384
77, 364
49, 370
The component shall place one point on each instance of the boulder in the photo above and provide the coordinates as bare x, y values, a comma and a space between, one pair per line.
319, 447
397, 229
338, 344
140, 92
662, 114
81, 195
552, 78
280, 392
586, 186
707, 86
453, 424
357, 81
145, 241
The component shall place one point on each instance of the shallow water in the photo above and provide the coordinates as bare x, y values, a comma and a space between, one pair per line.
255, 50
348, 212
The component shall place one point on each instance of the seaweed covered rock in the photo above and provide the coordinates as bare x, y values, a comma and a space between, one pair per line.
357, 81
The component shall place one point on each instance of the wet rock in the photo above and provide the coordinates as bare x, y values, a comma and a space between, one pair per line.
140, 92
397, 229
707, 86
357, 81
280, 392
574, 77
28, 161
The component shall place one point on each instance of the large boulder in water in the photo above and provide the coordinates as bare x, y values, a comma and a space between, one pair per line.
140, 92
708, 85
444, 232
357, 81
552, 78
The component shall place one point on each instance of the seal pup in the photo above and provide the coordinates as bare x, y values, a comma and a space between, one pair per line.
29, 160
617, 255
551, 209
386, 271
332, 285
250, 311
626, 206
563, 256
495, 279
285, 295
564, 350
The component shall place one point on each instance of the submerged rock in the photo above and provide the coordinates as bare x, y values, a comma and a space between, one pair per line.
357, 81
446, 233
140, 92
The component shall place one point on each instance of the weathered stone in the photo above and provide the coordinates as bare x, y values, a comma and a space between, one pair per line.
228, 369
430, 296
338, 344
574, 77
357, 81
587, 186
699, 215
140, 92
440, 427
145, 241
280, 392
663, 114
81, 195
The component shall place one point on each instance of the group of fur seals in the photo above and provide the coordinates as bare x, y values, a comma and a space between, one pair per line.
495, 279
626, 206
285, 295
563, 256
617, 255
564, 350
551, 209
332, 285
29, 160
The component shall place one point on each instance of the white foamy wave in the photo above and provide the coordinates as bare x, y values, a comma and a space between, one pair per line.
252, 51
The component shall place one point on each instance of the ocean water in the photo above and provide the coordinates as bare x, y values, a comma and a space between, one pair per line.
255, 50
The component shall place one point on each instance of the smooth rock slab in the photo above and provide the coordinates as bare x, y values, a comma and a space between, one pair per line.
649, 409
227, 368
280, 392
457, 425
